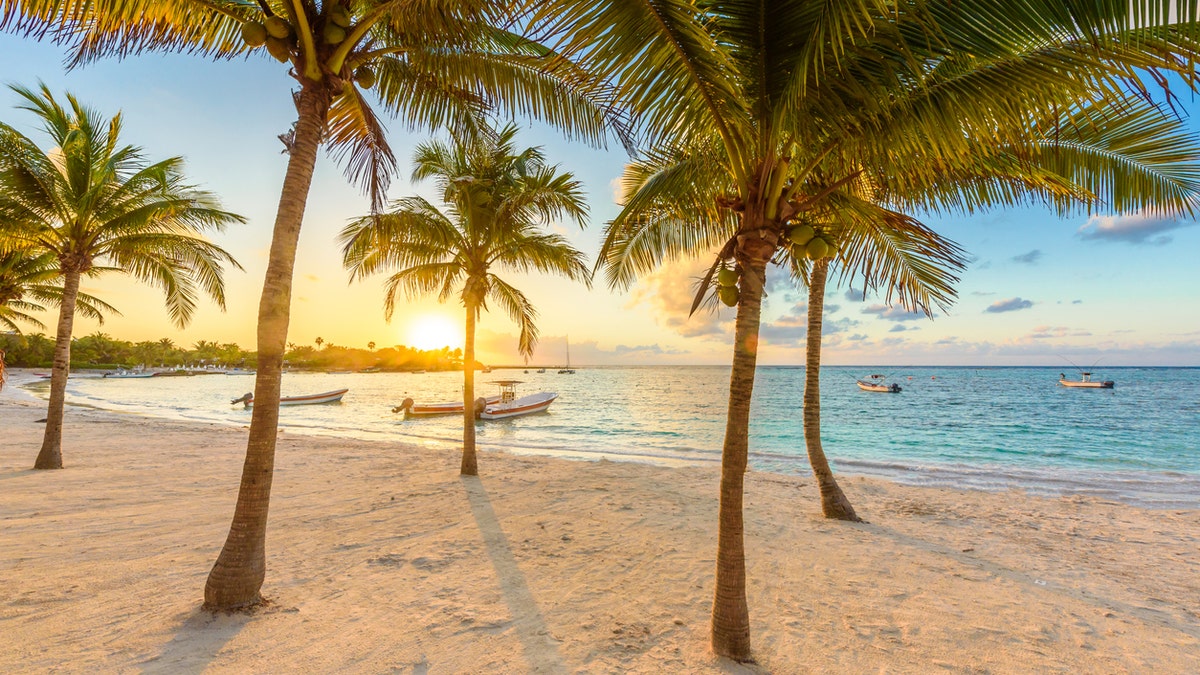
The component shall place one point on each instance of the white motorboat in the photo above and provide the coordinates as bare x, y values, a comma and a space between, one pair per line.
1085, 381
411, 408
311, 399
876, 383
511, 406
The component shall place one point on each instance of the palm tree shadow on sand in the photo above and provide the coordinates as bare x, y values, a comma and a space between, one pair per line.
540, 650
200, 637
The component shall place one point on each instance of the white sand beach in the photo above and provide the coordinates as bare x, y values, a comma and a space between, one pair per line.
381, 559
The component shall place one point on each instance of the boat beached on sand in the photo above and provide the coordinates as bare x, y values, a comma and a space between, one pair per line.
1085, 381
311, 399
511, 406
876, 383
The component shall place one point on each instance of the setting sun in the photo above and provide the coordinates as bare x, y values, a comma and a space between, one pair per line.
433, 331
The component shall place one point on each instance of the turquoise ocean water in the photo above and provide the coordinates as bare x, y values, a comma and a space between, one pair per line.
982, 428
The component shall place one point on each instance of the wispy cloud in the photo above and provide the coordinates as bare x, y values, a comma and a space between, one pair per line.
894, 313
1009, 305
1130, 229
1056, 332
1029, 258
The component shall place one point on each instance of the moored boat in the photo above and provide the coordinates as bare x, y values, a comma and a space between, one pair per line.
1085, 381
310, 399
412, 409
876, 384
127, 374
511, 406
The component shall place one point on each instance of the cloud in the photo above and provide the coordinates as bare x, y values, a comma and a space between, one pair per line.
669, 290
1054, 332
1009, 305
983, 293
900, 328
1076, 302
894, 313
645, 350
1030, 258
618, 192
1131, 229
855, 295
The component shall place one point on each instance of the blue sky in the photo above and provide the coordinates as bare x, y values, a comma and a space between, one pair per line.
1040, 289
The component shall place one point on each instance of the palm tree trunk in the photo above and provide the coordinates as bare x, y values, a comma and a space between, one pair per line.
50, 456
730, 613
833, 501
469, 467
238, 574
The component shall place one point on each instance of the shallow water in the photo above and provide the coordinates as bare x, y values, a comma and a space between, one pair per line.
984, 428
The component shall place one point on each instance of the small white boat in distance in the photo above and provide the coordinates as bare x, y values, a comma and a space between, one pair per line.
311, 399
876, 383
127, 374
1085, 381
412, 409
511, 406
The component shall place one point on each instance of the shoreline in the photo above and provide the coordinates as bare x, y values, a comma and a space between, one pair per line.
1147, 488
381, 558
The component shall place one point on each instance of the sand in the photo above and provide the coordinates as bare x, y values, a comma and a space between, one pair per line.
381, 559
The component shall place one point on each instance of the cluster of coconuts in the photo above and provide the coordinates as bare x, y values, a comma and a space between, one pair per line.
815, 245
727, 289
279, 37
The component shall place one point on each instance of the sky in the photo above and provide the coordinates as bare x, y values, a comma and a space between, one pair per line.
1040, 289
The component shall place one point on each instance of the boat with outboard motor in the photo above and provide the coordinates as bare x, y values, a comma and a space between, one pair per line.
511, 406
311, 399
411, 408
1085, 381
877, 384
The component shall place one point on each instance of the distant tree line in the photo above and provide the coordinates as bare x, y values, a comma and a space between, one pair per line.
99, 350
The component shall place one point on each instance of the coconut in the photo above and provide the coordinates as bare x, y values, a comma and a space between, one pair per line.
333, 34
279, 48
254, 34
278, 27
728, 295
727, 276
365, 77
801, 234
816, 249
340, 15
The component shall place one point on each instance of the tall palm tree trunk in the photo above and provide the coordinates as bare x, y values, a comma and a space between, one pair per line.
50, 456
238, 574
730, 613
834, 503
469, 465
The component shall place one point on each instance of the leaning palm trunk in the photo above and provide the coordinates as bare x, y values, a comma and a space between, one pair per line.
469, 465
833, 501
50, 456
238, 574
730, 613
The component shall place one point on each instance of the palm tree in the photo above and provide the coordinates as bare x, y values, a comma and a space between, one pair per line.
497, 198
436, 68
758, 113
1121, 155
27, 279
97, 207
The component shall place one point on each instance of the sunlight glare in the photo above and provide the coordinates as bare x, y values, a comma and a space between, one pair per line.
433, 331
